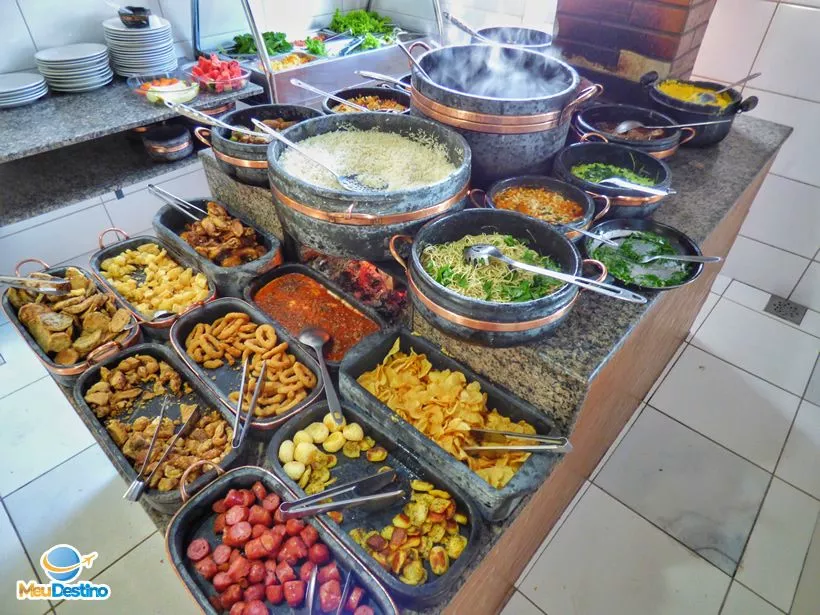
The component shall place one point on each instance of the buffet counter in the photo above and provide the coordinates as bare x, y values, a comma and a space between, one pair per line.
593, 372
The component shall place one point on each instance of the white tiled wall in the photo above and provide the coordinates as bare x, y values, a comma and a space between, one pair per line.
779, 246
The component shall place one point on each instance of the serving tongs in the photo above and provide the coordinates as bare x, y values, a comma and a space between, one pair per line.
358, 492
139, 484
546, 444
239, 434
42, 286
204, 118
181, 205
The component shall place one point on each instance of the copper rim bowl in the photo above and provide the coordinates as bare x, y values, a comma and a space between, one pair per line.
490, 323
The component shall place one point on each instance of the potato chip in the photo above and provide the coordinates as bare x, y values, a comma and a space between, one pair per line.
444, 407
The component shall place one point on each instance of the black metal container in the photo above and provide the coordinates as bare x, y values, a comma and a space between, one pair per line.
359, 225
625, 203
485, 92
489, 323
196, 519
225, 379
168, 143
248, 162
679, 240
166, 502
67, 374
566, 190
495, 504
529, 39
158, 328
230, 281
586, 126
400, 97
260, 281
684, 112
410, 464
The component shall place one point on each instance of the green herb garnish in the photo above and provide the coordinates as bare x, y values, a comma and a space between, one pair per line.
316, 46
595, 172
276, 42
370, 42
623, 261
360, 22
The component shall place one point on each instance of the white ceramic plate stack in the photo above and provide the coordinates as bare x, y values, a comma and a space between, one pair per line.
18, 89
81, 67
141, 51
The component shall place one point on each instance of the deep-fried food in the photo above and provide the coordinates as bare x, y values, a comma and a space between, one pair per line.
223, 239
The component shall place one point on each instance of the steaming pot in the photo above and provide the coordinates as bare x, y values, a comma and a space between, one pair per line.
513, 106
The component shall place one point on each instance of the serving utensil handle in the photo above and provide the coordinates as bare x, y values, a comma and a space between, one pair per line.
42, 263
291, 144
689, 259
305, 86
183, 492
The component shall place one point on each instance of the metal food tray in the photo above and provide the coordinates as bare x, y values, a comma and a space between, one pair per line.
409, 465
166, 502
169, 223
495, 504
67, 374
158, 328
259, 282
225, 379
195, 520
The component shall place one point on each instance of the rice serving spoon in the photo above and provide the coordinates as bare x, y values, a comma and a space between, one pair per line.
482, 253
348, 182
708, 98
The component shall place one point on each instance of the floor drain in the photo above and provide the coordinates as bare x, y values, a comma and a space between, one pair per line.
785, 309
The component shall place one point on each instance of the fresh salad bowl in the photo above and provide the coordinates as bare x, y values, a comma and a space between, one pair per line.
217, 75
157, 88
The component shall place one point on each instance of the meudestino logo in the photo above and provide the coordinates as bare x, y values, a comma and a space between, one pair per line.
63, 565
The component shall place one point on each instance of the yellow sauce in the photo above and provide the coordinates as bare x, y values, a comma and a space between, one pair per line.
688, 92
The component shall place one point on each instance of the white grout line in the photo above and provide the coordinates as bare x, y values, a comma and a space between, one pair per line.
776, 247
800, 279
792, 179
766, 314
54, 467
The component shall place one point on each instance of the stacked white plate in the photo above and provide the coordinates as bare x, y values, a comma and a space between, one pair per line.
18, 89
141, 51
81, 67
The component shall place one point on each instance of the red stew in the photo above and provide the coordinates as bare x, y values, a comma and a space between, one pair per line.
297, 301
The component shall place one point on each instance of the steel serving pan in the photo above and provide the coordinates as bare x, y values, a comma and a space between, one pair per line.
682, 243
169, 223
159, 327
260, 281
495, 504
403, 98
67, 374
166, 502
225, 379
195, 520
410, 464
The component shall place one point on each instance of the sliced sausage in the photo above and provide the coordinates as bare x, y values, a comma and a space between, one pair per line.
271, 542
329, 572
277, 516
198, 549
293, 551
319, 554
258, 514
238, 608
270, 578
271, 502
219, 523
259, 491
255, 550
274, 593
232, 499
363, 610
305, 571
353, 600
257, 572
231, 596
237, 535
206, 567
309, 535
254, 592
330, 595
285, 573
256, 607
221, 554
248, 498
294, 526
279, 530
294, 592
234, 554
219, 506
239, 569
236, 514
222, 581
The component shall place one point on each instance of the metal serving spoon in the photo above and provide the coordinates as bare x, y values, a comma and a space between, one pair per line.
380, 77
628, 125
466, 29
316, 338
708, 98
310, 88
619, 182
348, 182
481, 253
204, 118
680, 257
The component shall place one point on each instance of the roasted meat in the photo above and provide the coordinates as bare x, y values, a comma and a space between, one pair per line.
223, 239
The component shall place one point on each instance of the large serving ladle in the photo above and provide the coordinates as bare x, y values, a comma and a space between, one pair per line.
316, 338
628, 125
482, 253
349, 182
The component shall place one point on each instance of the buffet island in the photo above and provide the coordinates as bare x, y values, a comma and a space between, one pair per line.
378, 388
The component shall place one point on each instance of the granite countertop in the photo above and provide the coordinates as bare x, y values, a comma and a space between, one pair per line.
556, 370
63, 119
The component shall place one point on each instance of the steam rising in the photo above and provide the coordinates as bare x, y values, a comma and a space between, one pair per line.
497, 72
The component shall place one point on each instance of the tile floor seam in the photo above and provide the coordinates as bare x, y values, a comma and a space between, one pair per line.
791, 179
712, 354
3, 396
767, 314
802, 568
746, 587
806, 388
800, 279
527, 598
663, 531
54, 467
771, 245
691, 335
596, 472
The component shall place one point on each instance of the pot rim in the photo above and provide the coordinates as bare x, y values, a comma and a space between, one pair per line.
587, 127
531, 47
216, 131
387, 92
576, 79
367, 197
559, 293
681, 105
